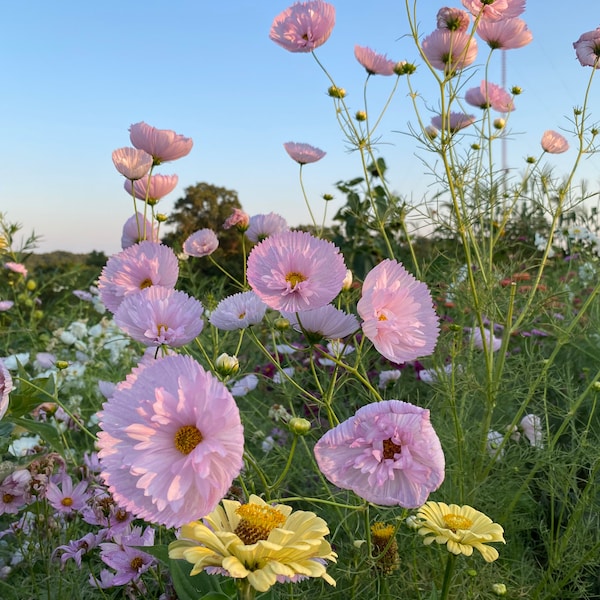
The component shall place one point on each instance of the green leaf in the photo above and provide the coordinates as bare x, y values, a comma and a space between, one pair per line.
46, 431
201, 586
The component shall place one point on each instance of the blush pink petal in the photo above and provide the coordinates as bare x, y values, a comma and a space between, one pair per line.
587, 49
131, 162
398, 314
490, 95
374, 63
238, 311
388, 453
159, 187
304, 26
295, 271
137, 230
16, 267
328, 322
303, 153
449, 51
495, 10
162, 144
554, 143
453, 19
453, 122
135, 268
238, 219
201, 243
262, 226
506, 34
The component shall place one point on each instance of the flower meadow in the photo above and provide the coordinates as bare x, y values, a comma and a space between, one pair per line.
362, 409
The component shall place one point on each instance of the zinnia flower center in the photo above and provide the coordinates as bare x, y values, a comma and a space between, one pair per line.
257, 522
385, 548
454, 522
294, 278
67, 501
146, 283
187, 438
390, 449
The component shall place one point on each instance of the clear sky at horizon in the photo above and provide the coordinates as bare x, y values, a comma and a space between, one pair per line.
77, 74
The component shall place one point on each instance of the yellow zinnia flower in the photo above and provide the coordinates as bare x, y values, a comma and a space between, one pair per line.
257, 541
461, 528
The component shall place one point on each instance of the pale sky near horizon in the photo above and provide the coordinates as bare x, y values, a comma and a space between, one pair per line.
77, 74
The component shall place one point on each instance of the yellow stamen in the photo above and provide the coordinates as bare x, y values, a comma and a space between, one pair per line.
257, 521
67, 501
294, 278
454, 522
145, 284
187, 438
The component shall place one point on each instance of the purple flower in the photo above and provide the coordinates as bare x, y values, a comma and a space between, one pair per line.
238, 311
162, 144
304, 26
496, 9
66, 498
397, 312
490, 95
453, 121
75, 549
136, 229
303, 153
6, 305
262, 226
295, 271
387, 453
201, 243
587, 48
171, 442
134, 269
15, 491
158, 187
449, 51
374, 63
6, 386
160, 315
326, 322
131, 162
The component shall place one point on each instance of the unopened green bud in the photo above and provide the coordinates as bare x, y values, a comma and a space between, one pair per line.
38, 314
596, 386
61, 364
327, 197
530, 160
475, 147
299, 426
499, 589
347, 283
404, 68
282, 324
516, 90
499, 123
31, 285
472, 573
336, 92
413, 522
161, 217
361, 115
226, 364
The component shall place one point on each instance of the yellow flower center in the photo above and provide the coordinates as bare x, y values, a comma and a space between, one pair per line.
67, 501
146, 283
242, 315
382, 317
162, 328
381, 532
385, 548
136, 563
187, 438
257, 521
454, 522
390, 449
294, 278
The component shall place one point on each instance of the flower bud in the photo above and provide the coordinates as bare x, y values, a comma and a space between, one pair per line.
347, 283
516, 90
226, 364
499, 589
327, 197
596, 386
499, 123
336, 92
299, 426
404, 68
475, 147
530, 159
361, 115
431, 132
61, 364
31, 285
282, 324
161, 217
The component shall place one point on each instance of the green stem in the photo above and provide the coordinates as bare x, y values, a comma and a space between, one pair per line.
244, 590
448, 576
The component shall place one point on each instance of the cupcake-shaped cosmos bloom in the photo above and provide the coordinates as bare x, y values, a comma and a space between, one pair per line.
295, 271
162, 144
171, 442
450, 51
131, 162
388, 453
238, 311
136, 268
554, 143
397, 312
201, 243
587, 48
304, 26
159, 187
374, 63
303, 153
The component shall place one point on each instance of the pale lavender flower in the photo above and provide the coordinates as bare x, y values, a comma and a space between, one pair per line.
66, 498
495, 10
131, 162
587, 48
303, 153
136, 268
16, 268
262, 226
531, 426
153, 190
295, 271
553, 142
388, 453
453, 121
136, 230
160, 315
6, 386
490, 95
6, 305
505, 34
374, 63
238, 311
387, 377
478, 339
162, 144
449, 51
326, 322
201, 243
244, 385
75, 549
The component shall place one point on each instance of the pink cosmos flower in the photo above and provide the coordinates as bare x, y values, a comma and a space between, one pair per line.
15, 491
387, 453
75, 549
136, 268
66, 498
531, 425
304, 26
159, 187
131, 162
587, 48
238, 312
303, 153
397, 312
16, 268
490, 338
171, 442
6, 305
453, 122
262, 226
6, 386
495, 10
449, 51
490, 95
295, 271
160, 315
506, 34
136, 230
162, 144
453, 19
326, 322
201, 243
375, 64
238, 219
554, 143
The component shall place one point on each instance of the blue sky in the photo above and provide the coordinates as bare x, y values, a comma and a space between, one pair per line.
77, 74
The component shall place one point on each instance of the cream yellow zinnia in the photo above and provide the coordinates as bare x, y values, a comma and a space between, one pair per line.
461, 528
261, 542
